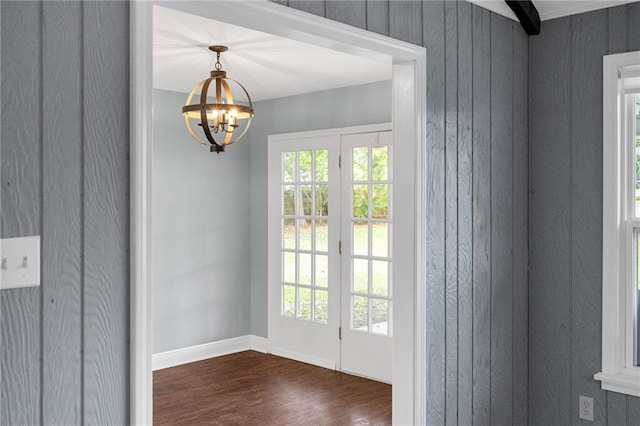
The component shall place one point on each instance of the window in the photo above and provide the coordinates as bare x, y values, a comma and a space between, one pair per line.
621, 225
632, 120
305, 231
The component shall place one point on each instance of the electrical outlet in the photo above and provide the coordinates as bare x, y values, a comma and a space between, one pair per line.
585, 408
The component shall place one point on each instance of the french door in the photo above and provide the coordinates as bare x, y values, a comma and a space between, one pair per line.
330, 292
304, 262
366, 255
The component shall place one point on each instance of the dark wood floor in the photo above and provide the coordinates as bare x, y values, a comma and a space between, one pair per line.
251, 388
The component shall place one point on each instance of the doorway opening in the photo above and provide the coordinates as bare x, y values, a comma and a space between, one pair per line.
408, 121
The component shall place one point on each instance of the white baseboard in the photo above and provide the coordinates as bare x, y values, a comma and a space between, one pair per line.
208, 350
304, 358
259, 344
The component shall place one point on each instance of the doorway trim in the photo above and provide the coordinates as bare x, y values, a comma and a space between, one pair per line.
409, 124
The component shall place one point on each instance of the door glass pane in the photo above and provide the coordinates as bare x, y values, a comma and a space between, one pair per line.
371, 187
379, 163
380, 243
361, 276
360, 313
322, 270
360, 201
360, 235
321, 305
289, 166
304, 303
288, 301
380, 201
304, 230
379, 316
289, 267
322, 235
380, 272
322, 165
360, 163
305, 245
288, 200
289, 233
307, 200
304, 158
322, 200
304, 268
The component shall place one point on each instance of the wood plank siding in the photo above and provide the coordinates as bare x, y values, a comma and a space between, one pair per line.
65, 176
565, 214
20, 310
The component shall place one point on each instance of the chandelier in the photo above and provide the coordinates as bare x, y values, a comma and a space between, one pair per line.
223, 118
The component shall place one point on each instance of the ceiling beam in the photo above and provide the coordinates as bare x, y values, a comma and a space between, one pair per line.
527, 14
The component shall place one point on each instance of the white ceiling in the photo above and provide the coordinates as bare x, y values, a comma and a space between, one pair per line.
272, 67
551, 9
268, 66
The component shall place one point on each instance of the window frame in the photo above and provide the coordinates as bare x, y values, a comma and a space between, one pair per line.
619, 278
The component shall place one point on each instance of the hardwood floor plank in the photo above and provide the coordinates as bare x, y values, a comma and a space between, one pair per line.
254, 388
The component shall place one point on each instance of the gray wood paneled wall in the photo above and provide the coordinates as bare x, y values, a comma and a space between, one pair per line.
65, 165
65, 176
565, 214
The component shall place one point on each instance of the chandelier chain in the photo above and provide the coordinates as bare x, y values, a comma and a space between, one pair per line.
218, 64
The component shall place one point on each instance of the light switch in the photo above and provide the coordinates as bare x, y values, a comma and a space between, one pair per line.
20, 262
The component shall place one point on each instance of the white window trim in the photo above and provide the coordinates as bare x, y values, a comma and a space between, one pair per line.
619, 374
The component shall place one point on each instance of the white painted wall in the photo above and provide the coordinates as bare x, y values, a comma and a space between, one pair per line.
351, 106
201, 234
209, 213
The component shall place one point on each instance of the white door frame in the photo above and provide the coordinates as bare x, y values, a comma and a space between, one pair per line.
409, 123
